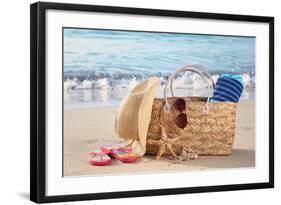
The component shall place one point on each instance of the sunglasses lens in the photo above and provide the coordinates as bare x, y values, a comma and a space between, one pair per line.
179, 105
181, 120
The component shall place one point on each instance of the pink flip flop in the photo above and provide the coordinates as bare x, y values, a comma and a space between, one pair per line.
124, 154
99, 158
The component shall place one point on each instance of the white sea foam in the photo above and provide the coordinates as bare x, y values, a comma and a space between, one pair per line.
102, 84
71, 84
186, 81
87, 84
246, 80
106, 90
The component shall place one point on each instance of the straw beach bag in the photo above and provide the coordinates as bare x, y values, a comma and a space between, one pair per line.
208, 127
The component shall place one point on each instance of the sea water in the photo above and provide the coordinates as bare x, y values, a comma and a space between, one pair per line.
101, 66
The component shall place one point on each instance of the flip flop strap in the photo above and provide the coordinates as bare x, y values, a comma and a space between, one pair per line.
93, 153
116, 149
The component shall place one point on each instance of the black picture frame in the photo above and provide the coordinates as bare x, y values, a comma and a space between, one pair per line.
38, 101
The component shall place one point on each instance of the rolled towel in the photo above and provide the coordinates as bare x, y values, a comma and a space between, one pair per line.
228, 88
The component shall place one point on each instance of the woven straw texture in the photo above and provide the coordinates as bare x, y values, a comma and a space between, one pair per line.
207, 133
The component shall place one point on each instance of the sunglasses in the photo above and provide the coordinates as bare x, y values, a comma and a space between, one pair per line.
181, 119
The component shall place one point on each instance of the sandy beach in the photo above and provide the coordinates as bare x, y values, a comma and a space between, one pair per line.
88, 128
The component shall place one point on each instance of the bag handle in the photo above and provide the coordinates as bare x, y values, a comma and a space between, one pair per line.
193, 68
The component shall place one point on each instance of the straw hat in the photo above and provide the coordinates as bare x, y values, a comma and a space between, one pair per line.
133, 116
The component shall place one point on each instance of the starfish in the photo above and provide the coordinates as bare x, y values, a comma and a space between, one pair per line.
165, 144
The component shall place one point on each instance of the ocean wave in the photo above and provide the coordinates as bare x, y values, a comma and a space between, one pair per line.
103, 80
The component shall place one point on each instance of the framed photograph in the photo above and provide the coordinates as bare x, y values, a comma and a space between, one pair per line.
129, 102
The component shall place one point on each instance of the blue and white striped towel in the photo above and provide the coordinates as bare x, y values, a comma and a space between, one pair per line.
228, 88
